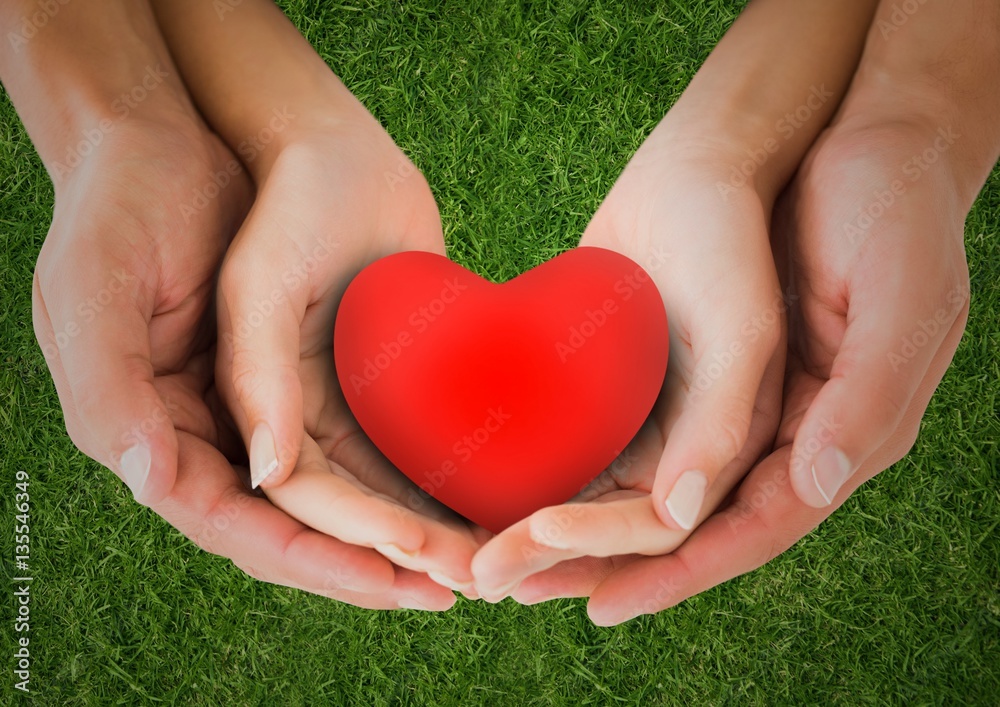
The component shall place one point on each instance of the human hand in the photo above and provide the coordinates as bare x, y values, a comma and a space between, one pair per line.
873, 230
720, 403
334, 193
877, 319
708, 254
126, 278
123, 294
332, 202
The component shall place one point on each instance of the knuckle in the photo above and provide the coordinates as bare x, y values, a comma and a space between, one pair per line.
889, 409
233, 274
775, 545
245, 373
204, 540
261, 575
774, 541
218, 521
731, 428
902, 442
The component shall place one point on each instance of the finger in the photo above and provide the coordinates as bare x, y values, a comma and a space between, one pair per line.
618, 524
260, 317
885, 353
504, 561
572, 578
554, 535
410, 590
448, 545
210, 506
614, 527
714, 425
738, 539
901, 440
101, 312
446, 556
332, 504
765, 518
351, 449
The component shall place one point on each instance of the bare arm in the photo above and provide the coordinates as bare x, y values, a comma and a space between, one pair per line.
74, 78
771, 84
243, 65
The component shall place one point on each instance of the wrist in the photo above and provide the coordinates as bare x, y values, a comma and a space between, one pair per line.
91, 69
922, 128
703, 155
314, 124
933, 72
96, 117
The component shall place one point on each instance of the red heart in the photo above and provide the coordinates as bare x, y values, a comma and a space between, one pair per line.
498, 400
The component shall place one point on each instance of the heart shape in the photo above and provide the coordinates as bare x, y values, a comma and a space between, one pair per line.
498, 400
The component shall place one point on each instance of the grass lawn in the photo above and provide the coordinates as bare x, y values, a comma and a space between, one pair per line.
521, 120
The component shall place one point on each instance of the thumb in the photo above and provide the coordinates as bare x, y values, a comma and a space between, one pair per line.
714, 425
259, 326
885, 353
94, 333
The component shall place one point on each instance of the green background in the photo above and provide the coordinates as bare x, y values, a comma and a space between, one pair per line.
521, 118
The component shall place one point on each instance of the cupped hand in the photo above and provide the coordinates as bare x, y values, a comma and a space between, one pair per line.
331, 203
123, 295
123, 288
704, 243
875, 235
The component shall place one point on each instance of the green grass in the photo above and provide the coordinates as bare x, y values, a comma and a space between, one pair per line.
521, 119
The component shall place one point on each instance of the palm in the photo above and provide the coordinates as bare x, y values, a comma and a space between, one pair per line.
336, 207
869, 285
674, 225
166, 260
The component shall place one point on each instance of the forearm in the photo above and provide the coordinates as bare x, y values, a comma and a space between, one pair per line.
770, 86
90, 65
251, 72
936, 68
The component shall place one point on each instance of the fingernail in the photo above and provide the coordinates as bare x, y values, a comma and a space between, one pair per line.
537, 599
135, 463
547, 534
263, 458
686, 497
452, 584
396, 553
413, 603
612, 618
500, 593
830, 469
